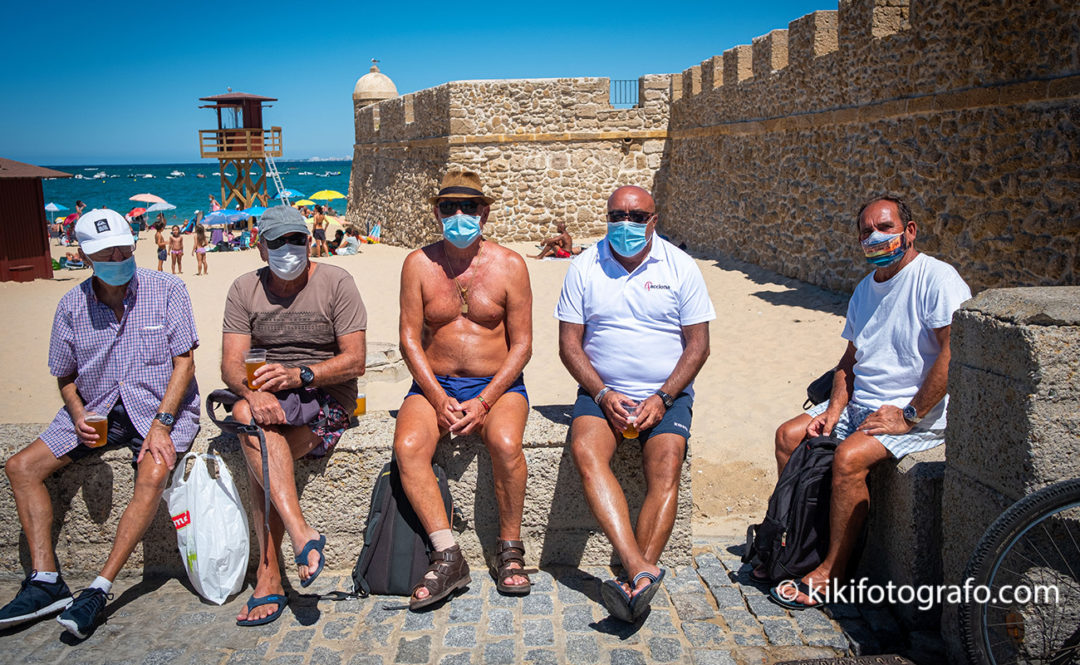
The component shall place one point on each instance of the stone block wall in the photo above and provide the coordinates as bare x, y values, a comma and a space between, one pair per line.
970, 110
1014, 413
548, 150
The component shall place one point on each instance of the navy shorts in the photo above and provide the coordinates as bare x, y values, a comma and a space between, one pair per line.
122, 434
676, 420
464, 388
162, 254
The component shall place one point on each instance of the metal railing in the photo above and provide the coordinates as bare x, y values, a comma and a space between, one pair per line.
624, 92
240, 143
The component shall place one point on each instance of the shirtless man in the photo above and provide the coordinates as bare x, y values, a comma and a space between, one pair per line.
159, 240
560, 246
176, 249
466, 334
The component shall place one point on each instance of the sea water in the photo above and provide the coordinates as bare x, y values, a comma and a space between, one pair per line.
113, 185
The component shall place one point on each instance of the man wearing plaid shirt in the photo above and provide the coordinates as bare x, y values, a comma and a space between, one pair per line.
121, 348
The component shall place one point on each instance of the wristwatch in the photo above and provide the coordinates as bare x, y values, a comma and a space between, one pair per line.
667, 399
166, 419
306, 376
911, 414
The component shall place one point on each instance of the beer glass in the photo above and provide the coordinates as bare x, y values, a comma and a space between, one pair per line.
101, 426
253, 360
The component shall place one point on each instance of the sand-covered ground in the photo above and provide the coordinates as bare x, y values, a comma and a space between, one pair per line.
772, 336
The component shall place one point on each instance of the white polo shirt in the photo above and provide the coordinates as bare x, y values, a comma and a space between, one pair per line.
633, 321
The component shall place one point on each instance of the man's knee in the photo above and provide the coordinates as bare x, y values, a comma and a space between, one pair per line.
20, 468
504, 448
850, 463
241, 412
410, 450
790, 435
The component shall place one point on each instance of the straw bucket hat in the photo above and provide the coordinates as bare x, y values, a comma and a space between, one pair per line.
461, 185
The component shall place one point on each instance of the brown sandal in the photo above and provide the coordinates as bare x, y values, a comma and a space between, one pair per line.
451, 573
506, 553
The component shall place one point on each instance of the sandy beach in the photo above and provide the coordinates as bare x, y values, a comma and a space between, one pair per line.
772, 336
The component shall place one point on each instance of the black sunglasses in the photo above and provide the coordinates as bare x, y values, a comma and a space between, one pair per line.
467, 206
291, 239
635, 216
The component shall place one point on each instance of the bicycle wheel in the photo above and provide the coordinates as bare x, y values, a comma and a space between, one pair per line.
1035, 544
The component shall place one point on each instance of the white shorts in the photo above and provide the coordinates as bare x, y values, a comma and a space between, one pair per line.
898, 445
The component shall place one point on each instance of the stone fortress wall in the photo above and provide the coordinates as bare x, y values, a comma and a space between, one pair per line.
968, 109
547, 149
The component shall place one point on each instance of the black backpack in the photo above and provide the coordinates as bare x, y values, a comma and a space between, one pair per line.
794, 538
395, 553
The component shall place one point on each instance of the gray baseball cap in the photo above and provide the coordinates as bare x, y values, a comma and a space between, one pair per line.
281, 220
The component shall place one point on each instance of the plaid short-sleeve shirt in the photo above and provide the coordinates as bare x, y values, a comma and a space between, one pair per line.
129, 360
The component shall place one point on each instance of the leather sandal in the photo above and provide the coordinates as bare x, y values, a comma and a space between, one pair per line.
506, 553
451, 573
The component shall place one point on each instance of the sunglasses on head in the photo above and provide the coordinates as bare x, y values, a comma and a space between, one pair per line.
450, 206
291, 239
635, 216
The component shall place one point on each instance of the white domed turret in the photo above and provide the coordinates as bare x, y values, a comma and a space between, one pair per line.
374, 87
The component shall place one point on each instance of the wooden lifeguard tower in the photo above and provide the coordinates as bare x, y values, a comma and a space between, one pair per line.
241, 145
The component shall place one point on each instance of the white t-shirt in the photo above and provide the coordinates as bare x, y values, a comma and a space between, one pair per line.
633, 321
892, 325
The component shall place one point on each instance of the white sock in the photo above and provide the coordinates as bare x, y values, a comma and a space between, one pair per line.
101, 583
47, 577
443, 539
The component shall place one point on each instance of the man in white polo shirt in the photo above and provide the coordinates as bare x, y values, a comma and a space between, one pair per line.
634, 333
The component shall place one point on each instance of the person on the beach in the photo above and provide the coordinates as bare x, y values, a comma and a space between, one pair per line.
318, 233
466, 334
214, 205
560, 246
351, 244
199, 252
121, 348
888, 395
176, 250
79, 207
339, 237
311, 321
634, 332
159, 240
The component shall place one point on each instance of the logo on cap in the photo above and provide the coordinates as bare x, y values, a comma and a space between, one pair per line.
102, 225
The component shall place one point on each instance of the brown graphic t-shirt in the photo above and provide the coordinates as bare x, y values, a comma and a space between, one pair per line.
302, 329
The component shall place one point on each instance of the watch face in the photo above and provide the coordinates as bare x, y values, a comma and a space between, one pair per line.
165, 418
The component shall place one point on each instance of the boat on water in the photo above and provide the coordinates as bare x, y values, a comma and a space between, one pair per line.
176, 174
199, 175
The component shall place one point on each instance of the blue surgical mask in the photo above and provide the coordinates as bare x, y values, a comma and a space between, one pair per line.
884, 249
115, 273
627, 238
461, 230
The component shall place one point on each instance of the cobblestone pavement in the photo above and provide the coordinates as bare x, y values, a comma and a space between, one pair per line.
708, 614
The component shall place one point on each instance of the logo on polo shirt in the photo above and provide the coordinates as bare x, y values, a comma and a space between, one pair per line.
649, 286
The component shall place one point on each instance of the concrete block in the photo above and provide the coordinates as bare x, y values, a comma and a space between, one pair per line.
557, 527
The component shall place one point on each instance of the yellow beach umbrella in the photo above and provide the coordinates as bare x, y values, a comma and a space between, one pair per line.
326, 195
303, 202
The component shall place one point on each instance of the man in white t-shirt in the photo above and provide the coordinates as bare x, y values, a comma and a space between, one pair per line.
888, 396
633, 331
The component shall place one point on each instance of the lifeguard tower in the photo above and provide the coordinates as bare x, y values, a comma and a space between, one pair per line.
244, 149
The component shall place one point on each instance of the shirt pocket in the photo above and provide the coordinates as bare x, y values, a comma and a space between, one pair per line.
153, 345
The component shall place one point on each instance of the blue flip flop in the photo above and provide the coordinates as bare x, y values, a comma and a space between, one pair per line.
791, 604
616, 601
640, 601
302, 558
254, 602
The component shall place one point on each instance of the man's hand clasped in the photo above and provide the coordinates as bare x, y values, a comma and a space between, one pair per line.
650, 411
460, 418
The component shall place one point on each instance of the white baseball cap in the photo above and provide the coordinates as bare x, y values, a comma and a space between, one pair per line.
102, 229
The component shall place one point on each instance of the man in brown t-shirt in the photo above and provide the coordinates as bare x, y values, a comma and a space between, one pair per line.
311, 321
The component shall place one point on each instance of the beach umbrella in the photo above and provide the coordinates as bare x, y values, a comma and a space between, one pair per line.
160, 207
135, 212
147, 198
303, 202
326, 195
289, 193
225, 217
54, 207
255, 211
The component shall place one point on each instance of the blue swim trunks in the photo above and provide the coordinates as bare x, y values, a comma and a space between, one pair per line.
464, 388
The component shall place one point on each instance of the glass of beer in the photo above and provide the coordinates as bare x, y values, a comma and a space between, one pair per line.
101, 426
253, 360
631, 430
361, 405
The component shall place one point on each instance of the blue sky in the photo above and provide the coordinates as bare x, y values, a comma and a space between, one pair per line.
119, 82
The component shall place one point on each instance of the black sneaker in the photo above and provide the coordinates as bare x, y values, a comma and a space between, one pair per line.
84, 614
35, 599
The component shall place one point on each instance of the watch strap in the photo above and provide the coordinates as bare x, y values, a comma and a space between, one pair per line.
667, 399
165, 418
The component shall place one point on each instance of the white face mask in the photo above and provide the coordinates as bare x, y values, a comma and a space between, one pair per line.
288, 261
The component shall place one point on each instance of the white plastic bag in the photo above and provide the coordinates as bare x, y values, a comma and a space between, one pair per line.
211, 527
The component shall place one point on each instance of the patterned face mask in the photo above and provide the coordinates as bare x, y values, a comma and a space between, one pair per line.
884, 249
